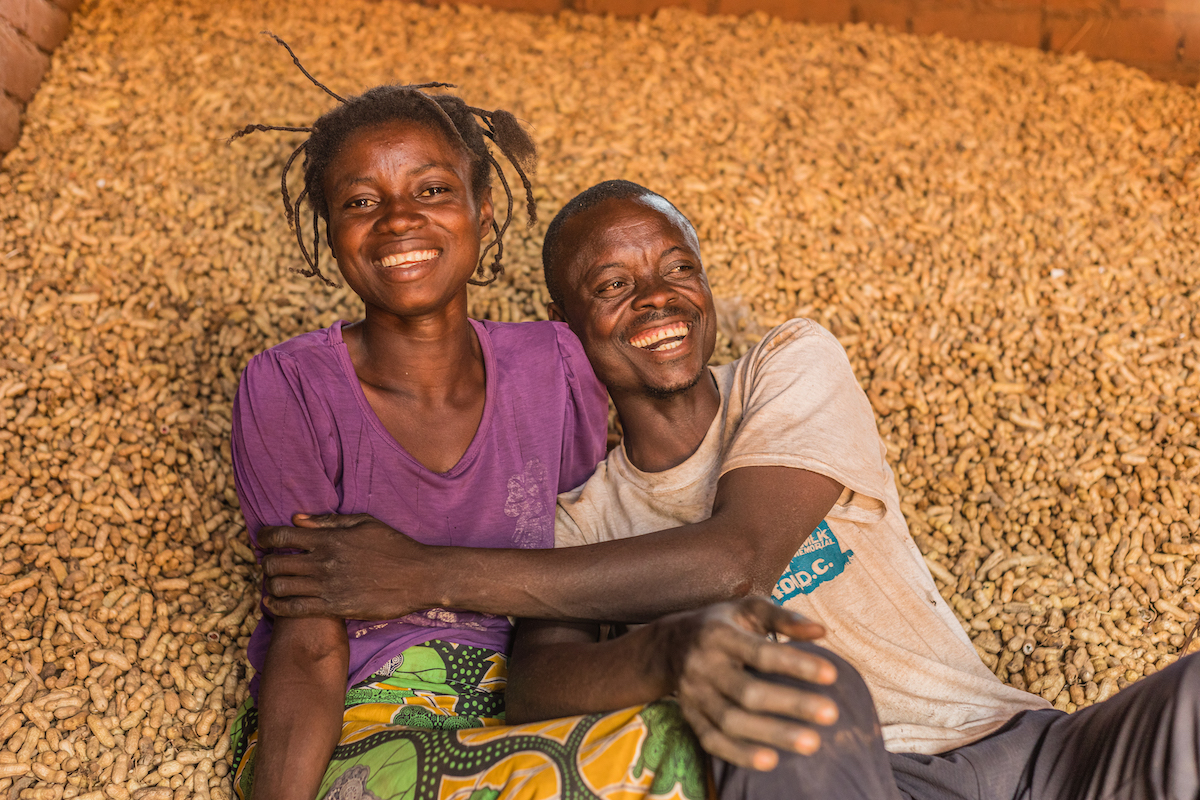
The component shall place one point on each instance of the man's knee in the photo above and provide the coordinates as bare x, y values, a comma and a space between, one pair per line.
851, 763
850, 693
1182, 683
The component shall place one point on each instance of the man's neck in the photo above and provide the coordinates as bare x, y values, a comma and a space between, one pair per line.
663, 432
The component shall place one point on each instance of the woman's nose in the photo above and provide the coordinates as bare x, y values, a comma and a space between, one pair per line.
399, 214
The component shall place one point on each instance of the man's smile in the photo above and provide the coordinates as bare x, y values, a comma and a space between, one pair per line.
667, 337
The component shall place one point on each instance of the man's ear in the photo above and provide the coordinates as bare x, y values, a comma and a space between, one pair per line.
554, 312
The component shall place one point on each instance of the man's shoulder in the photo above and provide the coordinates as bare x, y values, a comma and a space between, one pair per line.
798, 351
794, 339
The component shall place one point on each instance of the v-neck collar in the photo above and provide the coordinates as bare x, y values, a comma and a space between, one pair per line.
489, 400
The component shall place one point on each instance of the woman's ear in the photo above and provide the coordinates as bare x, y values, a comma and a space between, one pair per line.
487, 212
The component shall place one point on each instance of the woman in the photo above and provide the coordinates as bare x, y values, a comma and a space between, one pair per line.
455, 431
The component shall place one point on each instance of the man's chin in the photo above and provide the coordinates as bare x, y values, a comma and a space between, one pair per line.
666, 391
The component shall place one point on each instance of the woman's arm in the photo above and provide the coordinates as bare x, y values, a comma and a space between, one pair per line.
559, 669
300, 706
702, 656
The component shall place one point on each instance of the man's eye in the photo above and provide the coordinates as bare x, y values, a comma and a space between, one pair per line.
611, 285
436, 190
360, 202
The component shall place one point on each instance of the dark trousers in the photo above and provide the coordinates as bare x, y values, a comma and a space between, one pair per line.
1141, 744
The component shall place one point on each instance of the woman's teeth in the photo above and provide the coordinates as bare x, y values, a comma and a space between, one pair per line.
403, 259
649, 339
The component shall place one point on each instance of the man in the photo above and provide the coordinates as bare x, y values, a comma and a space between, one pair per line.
734, 467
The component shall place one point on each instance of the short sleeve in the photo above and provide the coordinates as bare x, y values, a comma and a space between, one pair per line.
585, 426
567, 532
279, 468
803, 407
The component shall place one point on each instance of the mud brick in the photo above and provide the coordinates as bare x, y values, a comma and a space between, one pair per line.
894, 14
819, 11
22, 65
10, 122
44, 23
1018, 27
633, 8
1139, 39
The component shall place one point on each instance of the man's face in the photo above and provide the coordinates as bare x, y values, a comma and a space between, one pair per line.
635, 293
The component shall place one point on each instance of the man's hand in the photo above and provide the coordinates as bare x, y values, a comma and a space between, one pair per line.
353, 567
732, 711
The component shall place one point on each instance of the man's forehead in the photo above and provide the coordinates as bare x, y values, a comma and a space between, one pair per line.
592, 225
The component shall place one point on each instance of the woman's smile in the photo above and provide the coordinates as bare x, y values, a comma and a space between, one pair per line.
406, 259
404, 221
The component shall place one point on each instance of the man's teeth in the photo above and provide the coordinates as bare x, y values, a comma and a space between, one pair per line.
400, 259
648, 340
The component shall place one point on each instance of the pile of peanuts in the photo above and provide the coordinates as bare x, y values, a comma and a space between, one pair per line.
1004, 241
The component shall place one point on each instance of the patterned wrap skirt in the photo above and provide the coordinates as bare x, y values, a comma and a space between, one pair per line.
429, 725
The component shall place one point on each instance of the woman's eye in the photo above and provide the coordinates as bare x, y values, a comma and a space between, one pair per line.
360, 202
435, 190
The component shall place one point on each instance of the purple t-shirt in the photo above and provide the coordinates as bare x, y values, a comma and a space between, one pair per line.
305, 439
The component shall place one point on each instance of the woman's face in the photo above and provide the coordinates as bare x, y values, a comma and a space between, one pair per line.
404, 223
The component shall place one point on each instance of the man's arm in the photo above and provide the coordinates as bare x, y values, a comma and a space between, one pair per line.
559, 669
760, 517
300, 706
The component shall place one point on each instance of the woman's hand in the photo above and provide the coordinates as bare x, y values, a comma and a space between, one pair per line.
733, 712
348, 566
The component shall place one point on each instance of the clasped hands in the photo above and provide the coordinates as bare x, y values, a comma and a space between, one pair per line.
356, 567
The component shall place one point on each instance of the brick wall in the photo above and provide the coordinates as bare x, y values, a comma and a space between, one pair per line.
1161, 37
29, 32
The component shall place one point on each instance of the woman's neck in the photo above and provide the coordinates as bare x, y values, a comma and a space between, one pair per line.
424, 358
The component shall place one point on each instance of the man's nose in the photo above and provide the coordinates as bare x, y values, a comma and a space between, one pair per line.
655, 292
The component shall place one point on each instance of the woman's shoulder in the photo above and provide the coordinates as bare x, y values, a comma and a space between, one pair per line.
295, 365
532, 341
313, 347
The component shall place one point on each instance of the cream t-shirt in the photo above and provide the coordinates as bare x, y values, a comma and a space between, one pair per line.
793, 401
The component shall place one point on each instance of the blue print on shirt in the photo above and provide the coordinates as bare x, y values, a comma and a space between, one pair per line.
818, 560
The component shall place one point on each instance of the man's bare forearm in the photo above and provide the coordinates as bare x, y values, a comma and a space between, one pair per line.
629, 580
760, 518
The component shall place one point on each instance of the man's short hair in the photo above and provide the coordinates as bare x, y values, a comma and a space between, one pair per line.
586, 200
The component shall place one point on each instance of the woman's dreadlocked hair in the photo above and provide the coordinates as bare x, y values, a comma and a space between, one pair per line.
463, 125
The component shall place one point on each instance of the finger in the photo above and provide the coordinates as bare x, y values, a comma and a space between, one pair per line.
781, 734
283, 537
758, 697
291, 586
297, 606
281, 564
762, 616
749, 693
782, 659
328, 521
762, 654
742, 754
